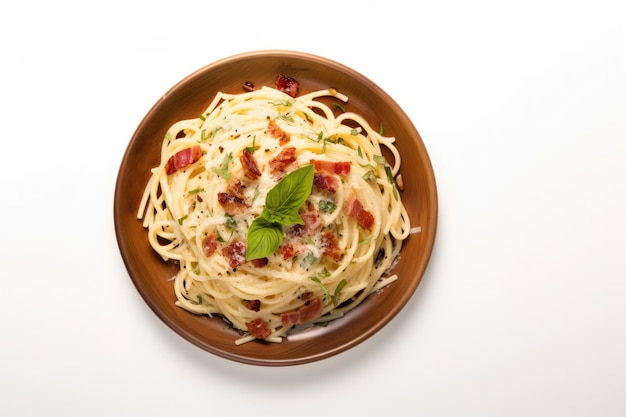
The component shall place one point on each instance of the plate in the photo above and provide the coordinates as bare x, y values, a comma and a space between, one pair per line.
151, 276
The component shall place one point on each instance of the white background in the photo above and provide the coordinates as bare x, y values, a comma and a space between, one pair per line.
522, 107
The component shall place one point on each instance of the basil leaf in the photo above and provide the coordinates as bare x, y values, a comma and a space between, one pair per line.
264, 238
284, 215
292, 191
282, 203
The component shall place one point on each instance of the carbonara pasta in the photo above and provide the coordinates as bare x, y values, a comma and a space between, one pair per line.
280, 210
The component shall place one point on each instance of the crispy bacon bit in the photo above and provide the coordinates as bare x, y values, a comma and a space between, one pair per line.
330, 246
232, 204
306, 313
287, 85
258, 328
312, 223
235, 188
276, 132
291, 249
254, 305
326, 182
355, 209
249, 165
280, 162
182, 159
260, 263
209, 244
248, 86
236, 253
340, 168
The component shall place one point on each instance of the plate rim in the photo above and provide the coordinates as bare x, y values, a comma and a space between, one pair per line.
232, 355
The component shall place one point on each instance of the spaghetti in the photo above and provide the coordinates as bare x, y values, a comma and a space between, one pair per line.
222, 204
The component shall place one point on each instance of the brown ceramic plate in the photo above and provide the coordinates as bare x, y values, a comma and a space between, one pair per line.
189, 98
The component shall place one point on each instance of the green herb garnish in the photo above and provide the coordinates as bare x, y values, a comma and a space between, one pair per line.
204, 136
327, 206
231, 223
338, 289
308, 260
382, 161
282, 203
252, 148
281, 102
392, 181
223, 169
339, 107
379, 159
335, 296
322, 286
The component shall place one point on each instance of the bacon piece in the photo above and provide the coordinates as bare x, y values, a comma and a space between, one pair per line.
249, 165
235, 188
330, 246
232, 204
254, 305
209, 244
291, 249
306, 313
236, 253
182, 159
276, 132
355, 209
258, 328
260, 262
325, 182
280, 162
340, 168
287, 85
324, 178
312, 223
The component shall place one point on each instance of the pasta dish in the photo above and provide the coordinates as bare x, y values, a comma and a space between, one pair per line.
281, 211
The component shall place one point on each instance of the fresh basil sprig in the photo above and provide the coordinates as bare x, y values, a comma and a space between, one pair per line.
282, 203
